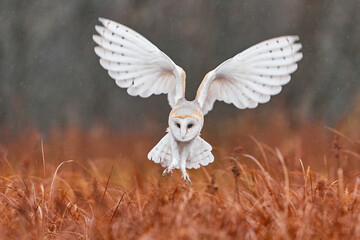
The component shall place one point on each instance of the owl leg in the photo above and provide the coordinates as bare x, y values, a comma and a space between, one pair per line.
172, 166
185, 176
184, 156
175, 158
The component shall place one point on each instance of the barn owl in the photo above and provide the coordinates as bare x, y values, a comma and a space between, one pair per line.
249, 78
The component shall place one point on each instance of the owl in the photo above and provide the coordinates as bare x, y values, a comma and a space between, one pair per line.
249, 78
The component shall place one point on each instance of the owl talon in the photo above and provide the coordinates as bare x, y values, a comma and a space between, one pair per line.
186, 177
167, 171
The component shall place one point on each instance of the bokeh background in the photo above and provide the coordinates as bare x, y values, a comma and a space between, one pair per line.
50, 75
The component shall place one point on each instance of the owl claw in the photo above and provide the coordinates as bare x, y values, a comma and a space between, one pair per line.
186, 177
167, 171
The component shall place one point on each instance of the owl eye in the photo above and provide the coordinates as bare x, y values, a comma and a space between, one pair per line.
190, 125
178, 125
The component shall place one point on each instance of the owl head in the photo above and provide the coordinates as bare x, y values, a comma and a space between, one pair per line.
186, 120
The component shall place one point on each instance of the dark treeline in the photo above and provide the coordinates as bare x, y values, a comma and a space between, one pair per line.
50, 76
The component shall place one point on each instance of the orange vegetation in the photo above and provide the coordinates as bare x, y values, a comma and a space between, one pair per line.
267, 182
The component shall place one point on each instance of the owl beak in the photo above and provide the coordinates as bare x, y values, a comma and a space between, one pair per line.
183, 132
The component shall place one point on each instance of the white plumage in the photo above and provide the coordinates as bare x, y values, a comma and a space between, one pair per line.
249, 78
200, 154
136, 64
252, 76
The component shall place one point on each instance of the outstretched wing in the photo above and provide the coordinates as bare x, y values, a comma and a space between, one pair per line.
136, 64
252, 76
161, 153
200, 154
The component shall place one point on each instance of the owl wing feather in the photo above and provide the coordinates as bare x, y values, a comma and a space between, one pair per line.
200, 154
161, 153
137, 64
252, 76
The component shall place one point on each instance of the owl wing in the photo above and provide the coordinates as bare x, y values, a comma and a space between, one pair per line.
137, 64
200, 154
252, 76
161, 153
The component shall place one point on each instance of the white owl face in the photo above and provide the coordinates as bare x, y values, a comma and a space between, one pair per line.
186, 120
185, 129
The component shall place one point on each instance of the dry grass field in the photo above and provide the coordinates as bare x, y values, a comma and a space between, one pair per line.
267, 182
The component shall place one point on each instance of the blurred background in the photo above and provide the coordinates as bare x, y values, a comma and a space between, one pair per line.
50, 75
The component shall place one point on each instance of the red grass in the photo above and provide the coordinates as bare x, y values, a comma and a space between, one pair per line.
267, 182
